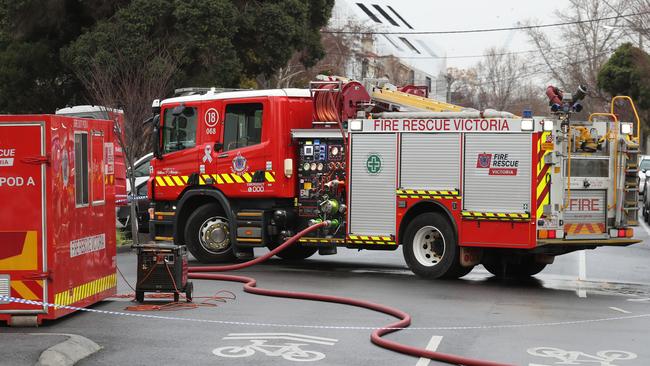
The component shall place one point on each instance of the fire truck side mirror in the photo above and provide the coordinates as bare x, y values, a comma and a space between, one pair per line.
155, 135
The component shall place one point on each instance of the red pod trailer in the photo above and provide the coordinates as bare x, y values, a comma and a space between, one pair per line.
57, 221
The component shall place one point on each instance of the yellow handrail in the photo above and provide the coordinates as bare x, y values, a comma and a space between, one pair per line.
636, 114
568, 173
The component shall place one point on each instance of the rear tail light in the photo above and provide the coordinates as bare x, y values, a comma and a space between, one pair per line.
549, 234
621, 233
629, 233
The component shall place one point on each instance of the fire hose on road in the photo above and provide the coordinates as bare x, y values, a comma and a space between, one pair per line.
250, 286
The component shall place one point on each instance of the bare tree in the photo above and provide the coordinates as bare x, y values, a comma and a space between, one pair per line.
636, 26
576, 53
339, 49
130, 85
462, 86
500, 75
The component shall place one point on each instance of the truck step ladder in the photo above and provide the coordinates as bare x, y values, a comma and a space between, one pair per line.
250, 228
630, 156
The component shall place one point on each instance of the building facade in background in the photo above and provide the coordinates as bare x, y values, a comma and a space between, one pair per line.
402, 58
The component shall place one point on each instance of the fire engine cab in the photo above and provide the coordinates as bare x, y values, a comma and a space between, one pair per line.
387, 166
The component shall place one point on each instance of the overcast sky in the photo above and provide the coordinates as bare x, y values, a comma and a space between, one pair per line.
437, 15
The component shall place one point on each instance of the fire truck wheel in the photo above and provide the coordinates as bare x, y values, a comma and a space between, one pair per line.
207, 235
430, 247
526, 268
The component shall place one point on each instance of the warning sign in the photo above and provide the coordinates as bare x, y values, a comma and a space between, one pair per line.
497, 164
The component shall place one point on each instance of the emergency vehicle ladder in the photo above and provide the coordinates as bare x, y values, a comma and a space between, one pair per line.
630, 156
390, 97
629, 149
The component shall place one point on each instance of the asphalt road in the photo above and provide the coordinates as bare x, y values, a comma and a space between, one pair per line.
551, 319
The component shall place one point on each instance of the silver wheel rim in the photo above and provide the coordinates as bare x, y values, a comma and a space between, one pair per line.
428, 246
214, 235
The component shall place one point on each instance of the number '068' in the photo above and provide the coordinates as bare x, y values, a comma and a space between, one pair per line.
211, 131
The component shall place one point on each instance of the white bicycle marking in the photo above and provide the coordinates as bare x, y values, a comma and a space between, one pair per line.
563, 357
290, 351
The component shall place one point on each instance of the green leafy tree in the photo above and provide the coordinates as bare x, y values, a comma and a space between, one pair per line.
48, 47
32, 77
627, 72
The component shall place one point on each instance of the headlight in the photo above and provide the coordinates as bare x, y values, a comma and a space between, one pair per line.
626, 128
548, 125
356, 125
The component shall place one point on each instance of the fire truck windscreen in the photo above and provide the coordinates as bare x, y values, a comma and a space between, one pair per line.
179, 131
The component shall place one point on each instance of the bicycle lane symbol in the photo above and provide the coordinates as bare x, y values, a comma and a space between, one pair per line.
289, 346
563, 357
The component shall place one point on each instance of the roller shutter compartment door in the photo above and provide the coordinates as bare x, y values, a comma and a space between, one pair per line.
497, 173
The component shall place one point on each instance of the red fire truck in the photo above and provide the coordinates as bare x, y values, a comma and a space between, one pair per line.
455, 187
57, 223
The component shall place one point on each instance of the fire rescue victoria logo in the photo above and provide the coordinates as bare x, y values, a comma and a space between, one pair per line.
497, 164
484, 160
374, 164
239, 164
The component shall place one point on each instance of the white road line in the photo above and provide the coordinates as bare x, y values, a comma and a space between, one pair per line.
644, 225
434, 342
298, 339
639, 300
281, 334
620, 310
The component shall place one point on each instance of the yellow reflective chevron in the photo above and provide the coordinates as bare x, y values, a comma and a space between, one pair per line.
85, 290
212, 179
371, 240
495, 216
543, 196
427, 194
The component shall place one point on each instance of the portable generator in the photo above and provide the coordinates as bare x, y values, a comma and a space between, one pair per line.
162, 268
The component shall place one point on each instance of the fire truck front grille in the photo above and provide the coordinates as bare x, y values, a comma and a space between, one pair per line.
4, 287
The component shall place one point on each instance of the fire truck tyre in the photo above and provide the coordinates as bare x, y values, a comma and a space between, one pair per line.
139, 296
207, 235
294, 252
462, 271
526, 268
430, 248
